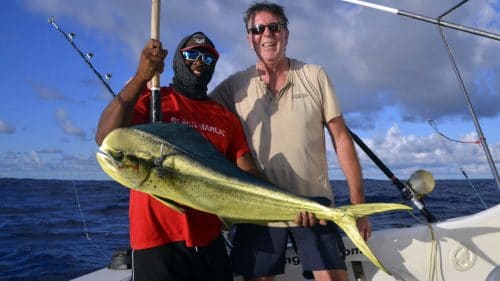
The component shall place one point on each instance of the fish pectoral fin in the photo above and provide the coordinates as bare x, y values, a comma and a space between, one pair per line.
169, 203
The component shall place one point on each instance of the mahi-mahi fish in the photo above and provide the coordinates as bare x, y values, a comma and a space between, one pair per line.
175, 164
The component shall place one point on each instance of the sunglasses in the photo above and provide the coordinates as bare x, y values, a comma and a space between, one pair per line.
260, 28
193, 55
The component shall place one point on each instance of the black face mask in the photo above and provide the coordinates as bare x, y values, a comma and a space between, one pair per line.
184, 81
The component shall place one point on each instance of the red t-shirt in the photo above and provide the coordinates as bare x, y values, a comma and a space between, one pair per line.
152, 223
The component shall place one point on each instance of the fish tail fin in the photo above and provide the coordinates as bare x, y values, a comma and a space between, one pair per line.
348, 224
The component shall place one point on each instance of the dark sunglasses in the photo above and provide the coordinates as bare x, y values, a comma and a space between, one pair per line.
260, 28
193, 55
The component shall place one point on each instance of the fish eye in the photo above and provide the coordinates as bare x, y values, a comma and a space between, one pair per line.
117, 155
132, 158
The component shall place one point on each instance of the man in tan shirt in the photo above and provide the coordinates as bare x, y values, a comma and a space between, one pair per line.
284, 106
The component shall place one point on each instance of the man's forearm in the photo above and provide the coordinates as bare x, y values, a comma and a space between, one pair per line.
348, 159
352, 170
118, 113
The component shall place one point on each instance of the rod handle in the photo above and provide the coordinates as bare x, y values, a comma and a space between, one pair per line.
155, 110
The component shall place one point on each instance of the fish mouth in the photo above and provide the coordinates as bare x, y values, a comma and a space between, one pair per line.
107, 157
112, 162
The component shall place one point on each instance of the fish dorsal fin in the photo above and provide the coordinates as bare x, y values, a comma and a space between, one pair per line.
182, 137
192, 143
179, 135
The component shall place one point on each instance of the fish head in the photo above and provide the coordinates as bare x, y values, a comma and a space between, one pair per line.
126, 156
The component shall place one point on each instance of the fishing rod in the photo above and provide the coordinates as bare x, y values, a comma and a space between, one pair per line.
155, 105
437, 21
405, 189
86, 57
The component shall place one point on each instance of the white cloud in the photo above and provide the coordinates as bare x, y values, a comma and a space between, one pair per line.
6, 128
35, 158
68, 126
45, 92
404, 154
50, 163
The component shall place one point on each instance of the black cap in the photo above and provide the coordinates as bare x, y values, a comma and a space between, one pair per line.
200, 41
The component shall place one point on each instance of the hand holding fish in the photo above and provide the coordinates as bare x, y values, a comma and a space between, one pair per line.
364, 227
307, 219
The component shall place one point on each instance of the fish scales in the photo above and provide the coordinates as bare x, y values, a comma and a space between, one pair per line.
261, 204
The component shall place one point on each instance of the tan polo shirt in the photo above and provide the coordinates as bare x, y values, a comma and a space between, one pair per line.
286, 133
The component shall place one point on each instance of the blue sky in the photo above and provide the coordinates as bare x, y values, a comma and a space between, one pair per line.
391, 74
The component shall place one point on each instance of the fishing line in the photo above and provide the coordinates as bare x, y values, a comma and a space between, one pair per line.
474, 188
86, 57
103, 78
433, 265
85, 229
434, 126
481, 140
443, 137
432, 123
472, 112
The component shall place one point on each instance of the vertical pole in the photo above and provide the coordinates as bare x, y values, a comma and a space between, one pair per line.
155, 106
479, 131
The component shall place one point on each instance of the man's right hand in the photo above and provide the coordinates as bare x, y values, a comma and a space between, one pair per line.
151, 61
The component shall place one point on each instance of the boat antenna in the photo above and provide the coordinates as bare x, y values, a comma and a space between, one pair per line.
439, 22
405, 190
155, 104
86, 57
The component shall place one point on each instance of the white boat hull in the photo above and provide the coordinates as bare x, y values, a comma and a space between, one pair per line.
464, 248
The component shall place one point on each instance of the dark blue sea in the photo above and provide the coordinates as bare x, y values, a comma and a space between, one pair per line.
58, 230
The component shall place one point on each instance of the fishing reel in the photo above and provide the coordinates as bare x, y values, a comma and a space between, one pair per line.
420, 184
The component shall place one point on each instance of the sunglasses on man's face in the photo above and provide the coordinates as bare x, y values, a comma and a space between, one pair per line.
260, 28
193, 55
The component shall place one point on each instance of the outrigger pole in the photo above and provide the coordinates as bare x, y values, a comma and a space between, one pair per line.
155, 105
439, 22
405, 190
479, 131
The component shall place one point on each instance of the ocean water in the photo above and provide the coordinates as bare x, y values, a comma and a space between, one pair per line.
58, 230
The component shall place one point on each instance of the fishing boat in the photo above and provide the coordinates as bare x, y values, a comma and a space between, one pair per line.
462, 248
456, 249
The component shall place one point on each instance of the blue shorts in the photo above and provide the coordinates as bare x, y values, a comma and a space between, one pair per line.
260, 251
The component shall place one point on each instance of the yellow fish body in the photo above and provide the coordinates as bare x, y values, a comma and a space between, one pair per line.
178, 166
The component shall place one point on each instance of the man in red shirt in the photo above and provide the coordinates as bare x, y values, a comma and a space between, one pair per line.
168, 245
